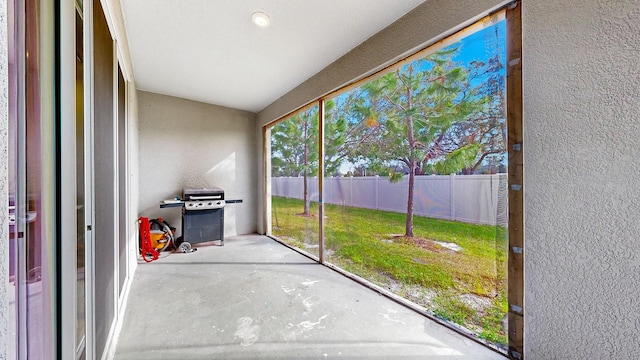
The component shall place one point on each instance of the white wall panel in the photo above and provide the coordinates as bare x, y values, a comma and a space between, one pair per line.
471, 198
433, 197
363, 193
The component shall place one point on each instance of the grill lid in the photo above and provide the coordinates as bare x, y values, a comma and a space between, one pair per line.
203, 198
213, 193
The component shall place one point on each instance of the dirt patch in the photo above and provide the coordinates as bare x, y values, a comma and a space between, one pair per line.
424, 296
306, 215
451, 246
417, 294
425, 244
478, 303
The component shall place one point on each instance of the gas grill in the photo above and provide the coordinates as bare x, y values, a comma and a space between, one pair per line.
203, 215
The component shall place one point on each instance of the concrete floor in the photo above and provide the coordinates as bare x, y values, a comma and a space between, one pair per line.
256, 299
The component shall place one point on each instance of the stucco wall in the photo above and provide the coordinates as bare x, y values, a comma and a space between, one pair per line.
184, 143
581, 126
4, 188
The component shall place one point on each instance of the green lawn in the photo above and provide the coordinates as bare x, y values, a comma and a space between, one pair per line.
466, 287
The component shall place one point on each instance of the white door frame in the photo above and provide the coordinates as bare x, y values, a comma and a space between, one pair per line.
89, 211
67, 176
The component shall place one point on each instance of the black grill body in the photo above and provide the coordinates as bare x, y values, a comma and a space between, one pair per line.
203, 215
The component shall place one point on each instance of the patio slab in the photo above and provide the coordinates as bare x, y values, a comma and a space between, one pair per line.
257, 299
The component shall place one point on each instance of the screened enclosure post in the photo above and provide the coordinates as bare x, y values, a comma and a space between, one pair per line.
516, 188
266, 181
321, 181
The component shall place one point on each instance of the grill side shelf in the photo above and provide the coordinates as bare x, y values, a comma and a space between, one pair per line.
171, 204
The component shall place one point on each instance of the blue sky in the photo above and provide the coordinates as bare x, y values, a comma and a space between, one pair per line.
479, 46
482, 44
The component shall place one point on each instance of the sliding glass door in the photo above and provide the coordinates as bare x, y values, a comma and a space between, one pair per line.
32, 183
81, 199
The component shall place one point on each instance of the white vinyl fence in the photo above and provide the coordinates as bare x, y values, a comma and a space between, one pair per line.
476, 199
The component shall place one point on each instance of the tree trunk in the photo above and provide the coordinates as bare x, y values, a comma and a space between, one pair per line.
305, 170
412, 178
306, 195
412, 163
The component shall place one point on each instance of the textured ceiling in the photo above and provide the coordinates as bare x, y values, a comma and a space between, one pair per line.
210, 51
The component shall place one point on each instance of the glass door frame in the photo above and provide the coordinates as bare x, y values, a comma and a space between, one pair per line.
70, 348
16, 8
89, 211
121, 294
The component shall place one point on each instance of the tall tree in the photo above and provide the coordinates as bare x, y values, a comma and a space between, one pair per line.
287, 154
294, 149
486, 129
411, 111
294, 146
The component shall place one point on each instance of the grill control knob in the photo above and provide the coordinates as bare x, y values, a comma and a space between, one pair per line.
209, 203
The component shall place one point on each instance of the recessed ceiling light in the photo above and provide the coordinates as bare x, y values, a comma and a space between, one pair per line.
261, 19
